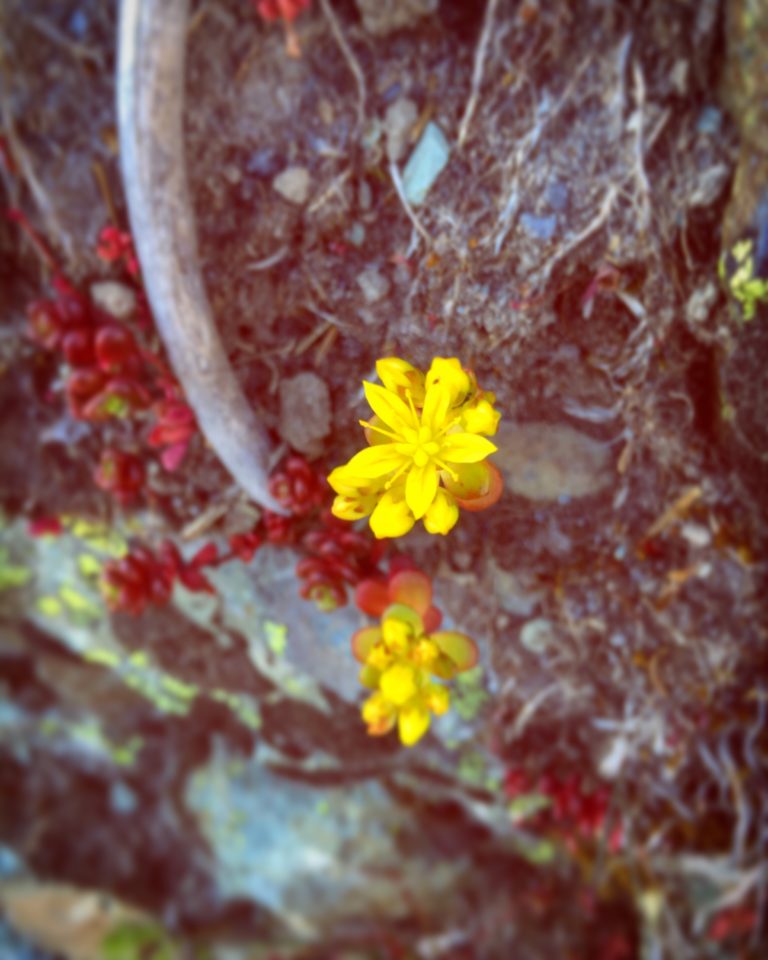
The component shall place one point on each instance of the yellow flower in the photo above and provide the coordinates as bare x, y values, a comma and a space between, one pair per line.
400, 661
424, 430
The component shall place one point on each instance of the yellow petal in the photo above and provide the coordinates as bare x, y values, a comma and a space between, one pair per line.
398, 684
449, 372
481, 417
412, 724
374, 462
436, 404
398, 376
437, 699
352, 508
465, 448
378, 715
420, 489
443, 514
389, 408
391, 518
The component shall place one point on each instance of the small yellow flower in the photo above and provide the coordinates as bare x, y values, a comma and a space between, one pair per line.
400, 662
425, 431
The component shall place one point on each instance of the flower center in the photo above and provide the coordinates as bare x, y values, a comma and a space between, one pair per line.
425, 447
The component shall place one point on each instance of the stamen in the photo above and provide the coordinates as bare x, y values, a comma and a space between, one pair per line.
381, 430
411, 404
446, 427
396, 476
451, 473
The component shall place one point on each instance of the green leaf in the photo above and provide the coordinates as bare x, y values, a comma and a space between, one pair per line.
12, 576
527, 804
277, 636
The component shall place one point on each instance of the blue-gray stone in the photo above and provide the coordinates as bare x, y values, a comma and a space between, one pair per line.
710, 121
264, 162
557, 195
425, 164
541, 228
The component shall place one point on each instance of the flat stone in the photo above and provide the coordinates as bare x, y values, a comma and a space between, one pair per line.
293, 184
425, 164
117, 299
305, 411
550, 462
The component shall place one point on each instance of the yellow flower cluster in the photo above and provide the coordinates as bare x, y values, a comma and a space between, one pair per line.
399, 663
427, 450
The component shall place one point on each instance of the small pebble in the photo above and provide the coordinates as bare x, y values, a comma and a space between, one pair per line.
293, 184
374, 285
399, 120
305, 412
537, 635
557, 196
116, 298
264, 162
540, 228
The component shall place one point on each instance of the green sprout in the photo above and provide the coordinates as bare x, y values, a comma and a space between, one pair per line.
736, 270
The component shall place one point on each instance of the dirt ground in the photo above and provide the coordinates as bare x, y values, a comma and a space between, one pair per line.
568, 253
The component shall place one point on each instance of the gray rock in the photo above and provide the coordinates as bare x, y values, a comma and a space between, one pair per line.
116, 298
293, 184
381, 17
398, 123
548, 462
374, 285
305, 411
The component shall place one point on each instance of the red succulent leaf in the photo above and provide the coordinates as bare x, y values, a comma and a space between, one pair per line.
207, 554
77, 346
432, 619
412, 588
45, 527
372, 597
172, 457
194, 580
115, 347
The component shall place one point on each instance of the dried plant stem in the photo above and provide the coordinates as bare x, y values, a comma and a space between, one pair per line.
481, 53
397, 180
352, 62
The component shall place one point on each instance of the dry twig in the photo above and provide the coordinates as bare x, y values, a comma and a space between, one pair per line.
477, 73
349, 56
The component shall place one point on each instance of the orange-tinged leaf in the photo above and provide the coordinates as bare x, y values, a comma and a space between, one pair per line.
458, 647
487, 494
432, 619
413, 588
363, 641
372, 597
